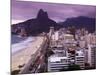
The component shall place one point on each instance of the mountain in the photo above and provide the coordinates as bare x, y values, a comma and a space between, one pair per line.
35, 26
42, 23
80, 22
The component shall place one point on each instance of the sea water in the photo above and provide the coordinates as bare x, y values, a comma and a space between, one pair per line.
19, 43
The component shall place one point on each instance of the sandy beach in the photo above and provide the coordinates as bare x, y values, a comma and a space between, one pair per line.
23, 56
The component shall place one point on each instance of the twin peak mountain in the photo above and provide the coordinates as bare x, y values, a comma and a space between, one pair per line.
35, 26
42, 23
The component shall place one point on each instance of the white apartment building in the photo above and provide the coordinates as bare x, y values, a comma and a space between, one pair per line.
92, 55
93, 39
86, 54
56, 63
80, 58
51, 32
82, 43
90, 39
59, 60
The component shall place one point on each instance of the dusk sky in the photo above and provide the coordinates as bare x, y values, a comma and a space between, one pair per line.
24, 10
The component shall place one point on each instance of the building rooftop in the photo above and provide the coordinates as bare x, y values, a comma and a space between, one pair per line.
56, 59
79, 53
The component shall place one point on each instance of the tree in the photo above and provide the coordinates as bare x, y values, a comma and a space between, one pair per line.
74, 67
71, 68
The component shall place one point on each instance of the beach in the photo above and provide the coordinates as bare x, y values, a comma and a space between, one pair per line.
23, 56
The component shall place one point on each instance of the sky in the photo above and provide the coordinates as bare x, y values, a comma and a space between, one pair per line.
24, 10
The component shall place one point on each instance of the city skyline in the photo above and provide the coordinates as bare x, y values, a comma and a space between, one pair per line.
22, 10
52, 37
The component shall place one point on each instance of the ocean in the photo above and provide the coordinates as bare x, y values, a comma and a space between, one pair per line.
19, 43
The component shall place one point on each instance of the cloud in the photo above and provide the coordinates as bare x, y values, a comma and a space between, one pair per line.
16, 21
25, 10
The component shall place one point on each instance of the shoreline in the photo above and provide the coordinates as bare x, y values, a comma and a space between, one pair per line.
17, 47
23, 55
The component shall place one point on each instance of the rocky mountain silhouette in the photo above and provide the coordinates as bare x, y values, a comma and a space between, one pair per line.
81, 22
42, 23
35, 26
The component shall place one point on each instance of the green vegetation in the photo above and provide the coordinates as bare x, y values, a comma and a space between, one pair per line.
74, 67
71, 68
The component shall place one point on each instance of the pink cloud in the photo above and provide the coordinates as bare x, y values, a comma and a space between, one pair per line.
25, 10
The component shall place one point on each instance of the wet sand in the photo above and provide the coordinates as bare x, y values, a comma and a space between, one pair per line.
23, 56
